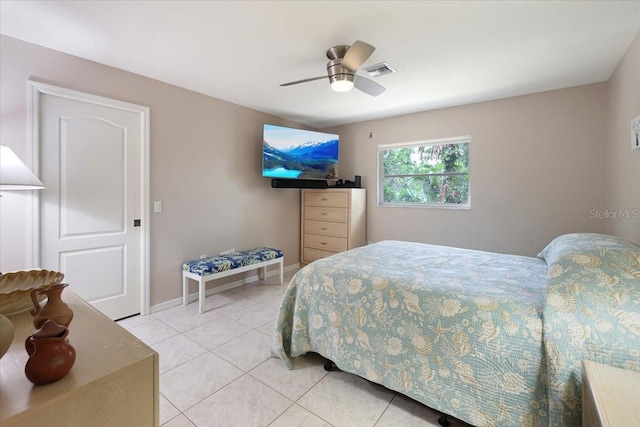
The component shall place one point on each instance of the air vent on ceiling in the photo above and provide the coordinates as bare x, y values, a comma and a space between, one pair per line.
380, 69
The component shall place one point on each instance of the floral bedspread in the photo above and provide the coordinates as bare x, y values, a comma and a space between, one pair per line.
592, 312
458, 330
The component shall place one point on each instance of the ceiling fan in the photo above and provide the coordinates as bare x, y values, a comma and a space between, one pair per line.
342, 66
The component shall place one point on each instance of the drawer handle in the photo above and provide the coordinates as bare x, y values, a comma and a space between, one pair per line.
323, 228
323, 213
325, 199
323, 243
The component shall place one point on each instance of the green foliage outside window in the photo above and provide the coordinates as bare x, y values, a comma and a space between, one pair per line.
435, 174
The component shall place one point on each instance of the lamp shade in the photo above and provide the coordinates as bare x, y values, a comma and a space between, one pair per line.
15, 175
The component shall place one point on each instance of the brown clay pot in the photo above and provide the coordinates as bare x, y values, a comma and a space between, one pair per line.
50, 354
54, 308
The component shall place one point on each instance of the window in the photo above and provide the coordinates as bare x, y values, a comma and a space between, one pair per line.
425, 173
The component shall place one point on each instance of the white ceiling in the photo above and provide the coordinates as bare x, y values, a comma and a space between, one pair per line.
446, 52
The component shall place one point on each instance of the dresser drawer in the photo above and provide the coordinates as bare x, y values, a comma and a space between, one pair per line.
331, 221
334, 244
310, 254
325, 228
326, 214
337, 200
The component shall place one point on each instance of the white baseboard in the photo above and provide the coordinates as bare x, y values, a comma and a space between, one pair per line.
217, 289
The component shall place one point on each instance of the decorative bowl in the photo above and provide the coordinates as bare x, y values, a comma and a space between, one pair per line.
16, 287
7, 332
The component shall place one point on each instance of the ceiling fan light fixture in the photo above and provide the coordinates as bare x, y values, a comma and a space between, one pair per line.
342, 86
342, 82
343, 64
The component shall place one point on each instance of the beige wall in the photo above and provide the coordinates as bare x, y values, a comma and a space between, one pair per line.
622, 164
539, 166
205, 165
536, 170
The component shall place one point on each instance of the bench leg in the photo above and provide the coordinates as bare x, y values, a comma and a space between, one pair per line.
201, 295
185, 290
263, 273
281, 267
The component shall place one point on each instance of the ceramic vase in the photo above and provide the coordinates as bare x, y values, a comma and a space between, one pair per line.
53, 309
50, 354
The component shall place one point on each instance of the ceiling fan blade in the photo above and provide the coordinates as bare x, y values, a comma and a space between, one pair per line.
368, 86
304, 81
357, 54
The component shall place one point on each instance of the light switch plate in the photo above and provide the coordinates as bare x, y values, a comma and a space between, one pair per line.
157, 206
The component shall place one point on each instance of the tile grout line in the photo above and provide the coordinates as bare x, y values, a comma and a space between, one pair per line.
212, 351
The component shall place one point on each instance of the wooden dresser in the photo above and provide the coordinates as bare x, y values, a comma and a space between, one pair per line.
114, 381
332, 221
610, 396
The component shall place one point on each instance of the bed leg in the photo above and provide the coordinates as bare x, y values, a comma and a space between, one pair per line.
328, 365
443, 421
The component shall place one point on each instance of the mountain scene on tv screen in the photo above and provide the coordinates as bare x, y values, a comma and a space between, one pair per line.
312, 160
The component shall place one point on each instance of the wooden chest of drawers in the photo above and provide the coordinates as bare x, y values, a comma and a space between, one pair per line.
332, 221
114, 381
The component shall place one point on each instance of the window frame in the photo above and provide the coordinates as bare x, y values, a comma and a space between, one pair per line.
430, 142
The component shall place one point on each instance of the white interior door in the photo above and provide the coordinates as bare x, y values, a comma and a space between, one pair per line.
91, 164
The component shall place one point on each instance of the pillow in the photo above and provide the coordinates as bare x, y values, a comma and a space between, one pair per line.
572, 244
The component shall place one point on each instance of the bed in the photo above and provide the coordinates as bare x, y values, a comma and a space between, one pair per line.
490, 339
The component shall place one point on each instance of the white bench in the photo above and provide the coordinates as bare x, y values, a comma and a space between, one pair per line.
205, 270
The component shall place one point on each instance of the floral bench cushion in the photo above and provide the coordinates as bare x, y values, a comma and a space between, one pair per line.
221, 263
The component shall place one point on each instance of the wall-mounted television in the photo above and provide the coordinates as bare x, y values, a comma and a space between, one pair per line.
299, 154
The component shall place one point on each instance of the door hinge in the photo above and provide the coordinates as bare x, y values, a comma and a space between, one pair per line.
136, 223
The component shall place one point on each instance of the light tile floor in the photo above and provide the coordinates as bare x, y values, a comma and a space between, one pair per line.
216, 370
